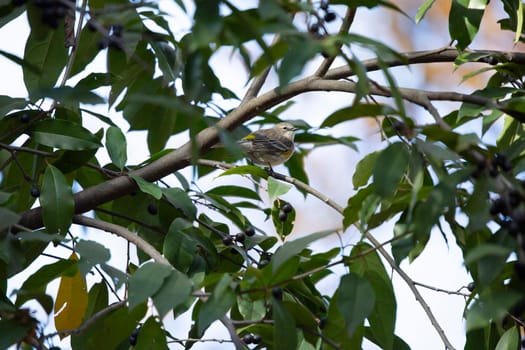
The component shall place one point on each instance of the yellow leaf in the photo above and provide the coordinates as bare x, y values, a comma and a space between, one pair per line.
71, 301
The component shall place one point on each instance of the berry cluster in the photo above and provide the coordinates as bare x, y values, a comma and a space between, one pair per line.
251, 339
500, 162
52, 11
239, 237
319, 18
284, 211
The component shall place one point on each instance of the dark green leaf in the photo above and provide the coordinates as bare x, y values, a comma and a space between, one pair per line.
282, 221
151, 336
56, 198
180, 200
292, 248
389, 168
91, 254
364, 169
110, 330
44, 50
68, 95
383, 317
284, 332
7, 104
464, 20
116, 146
147, 187
146, 281
217, 305
179, 247
63, 134
174, 291
13, 332
357, 111
355, 300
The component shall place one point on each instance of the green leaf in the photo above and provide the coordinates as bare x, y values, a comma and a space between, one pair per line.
217, 305
151, 336
180, 200
357, 111
491, 308
383, 317
12, 331
110, 330
179, 247
7, 104
300, 51
509, 340
63, 134
7, 218
423, 9
146, 281
364, 169
44, 50
234, 191
56, 198
389, 168
276, 188
174, 292
68, 95
355, 300
284, 332
47, 273
292, 248
116, 146
87, 49
91, 254
464, 20
147, 187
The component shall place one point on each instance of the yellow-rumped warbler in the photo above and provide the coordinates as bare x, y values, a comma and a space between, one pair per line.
271, 146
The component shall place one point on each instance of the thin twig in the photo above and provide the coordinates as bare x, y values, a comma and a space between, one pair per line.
97, 316
452, 292
345, 26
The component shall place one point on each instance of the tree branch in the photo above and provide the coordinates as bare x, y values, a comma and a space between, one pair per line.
124, 233
118, 187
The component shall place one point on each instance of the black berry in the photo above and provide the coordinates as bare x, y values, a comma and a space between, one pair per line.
287, 208
35, 192
497, 206
248, 339
329, 16
240, 237
25, 118
514, 198
227, 240
250, 231
282, 215
117, 30
322, 322
91, 25
471, 286
263, 263
133, 337
102, 43
256, 339
277, 293
152, 208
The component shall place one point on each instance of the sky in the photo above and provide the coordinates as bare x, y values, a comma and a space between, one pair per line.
440, 265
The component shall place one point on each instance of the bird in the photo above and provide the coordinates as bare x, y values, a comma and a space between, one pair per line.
270, 147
